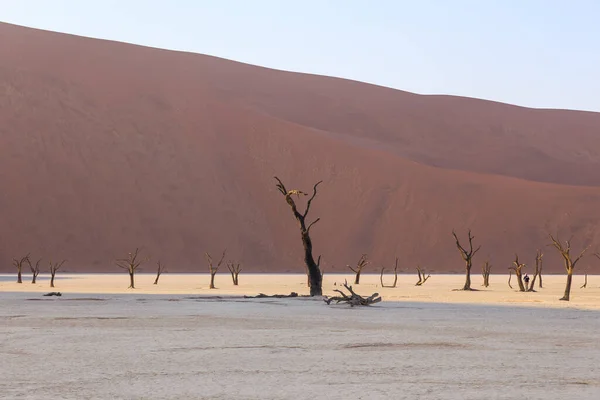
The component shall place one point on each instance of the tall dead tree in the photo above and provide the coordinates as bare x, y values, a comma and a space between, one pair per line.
517, 267
537, 272
467, 256
234, 269
565, 252
18, 262
35, 271
422, 277
538, 266
314, 272
509, 277
213, 269
54, 267
395, 275
362, 262
131, 264
160, 269
485, 271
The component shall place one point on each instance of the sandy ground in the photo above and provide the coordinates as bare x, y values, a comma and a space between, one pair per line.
439, 288
103, 341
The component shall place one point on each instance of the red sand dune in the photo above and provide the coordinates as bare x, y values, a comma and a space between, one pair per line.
107, 146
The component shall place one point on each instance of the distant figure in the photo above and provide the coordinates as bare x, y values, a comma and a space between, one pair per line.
526, 279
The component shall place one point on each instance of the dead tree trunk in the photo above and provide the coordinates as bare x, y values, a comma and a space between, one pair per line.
159, 271
362, 262
354, 299
467, 256
308, 272
54, 267
422, 277
540, 270
485, 271
565, 252
35, 271
518, 269
395, 275
509, 278
131, 264
537, 272
234, 269
213, 269
316, 279
19, 264
584, 283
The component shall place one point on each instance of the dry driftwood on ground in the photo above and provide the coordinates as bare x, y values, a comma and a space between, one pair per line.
276, 296
353, 299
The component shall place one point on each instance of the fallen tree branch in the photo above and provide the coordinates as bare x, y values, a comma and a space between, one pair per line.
353, 299
276, 296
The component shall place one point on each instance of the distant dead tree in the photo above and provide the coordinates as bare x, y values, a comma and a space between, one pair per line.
537, 272
234, 269
395, 275
35, 271
18, 262
584, 283
467, 256
509, 277
131, 264
422, 277
362, 262
54, 267
160, 269
565, 252
485, 271
538, 266
316, 279
214, 268
517, 267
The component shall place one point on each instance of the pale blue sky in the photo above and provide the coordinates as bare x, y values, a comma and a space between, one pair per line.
537, 53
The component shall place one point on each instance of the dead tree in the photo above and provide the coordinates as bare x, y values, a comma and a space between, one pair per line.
509, 277
131, 264
362, 262
35, 271
19, 264
467, 256
395, 275
213, 269
160, 269
537, 272
314, 272
54, 267
234, 269
565, 252
518, 269
538, 266
584, 283
485, 271
540, 284
422, 277
353, 299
